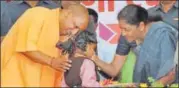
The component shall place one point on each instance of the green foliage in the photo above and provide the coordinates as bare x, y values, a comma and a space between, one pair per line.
157, 84
174, 86
153, 83
151, 80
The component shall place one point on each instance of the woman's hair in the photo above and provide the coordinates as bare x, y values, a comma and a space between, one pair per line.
81, 40
134, 14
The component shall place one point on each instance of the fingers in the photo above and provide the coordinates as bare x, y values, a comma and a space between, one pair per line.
62, 68
94, 57
66, 63
65, 60
65, 66
61, 64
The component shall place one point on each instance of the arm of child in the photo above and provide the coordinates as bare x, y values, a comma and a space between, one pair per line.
88, 74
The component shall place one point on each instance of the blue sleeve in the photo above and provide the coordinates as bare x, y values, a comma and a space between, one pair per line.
124, 46
167, 47
6, 22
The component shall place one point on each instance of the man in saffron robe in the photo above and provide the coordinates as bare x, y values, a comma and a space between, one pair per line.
29, 57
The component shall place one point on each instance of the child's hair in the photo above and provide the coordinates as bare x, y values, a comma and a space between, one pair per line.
94, 14
81, 40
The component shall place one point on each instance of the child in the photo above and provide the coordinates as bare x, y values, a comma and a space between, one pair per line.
83, 70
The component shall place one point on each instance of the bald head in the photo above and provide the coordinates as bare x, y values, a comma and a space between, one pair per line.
73, 19
65, 4
80, 15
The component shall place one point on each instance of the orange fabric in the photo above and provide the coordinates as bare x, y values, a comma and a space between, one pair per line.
36, 30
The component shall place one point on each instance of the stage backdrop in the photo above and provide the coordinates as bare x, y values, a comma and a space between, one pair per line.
108, 31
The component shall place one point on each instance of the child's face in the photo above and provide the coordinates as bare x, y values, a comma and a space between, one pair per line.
90, 49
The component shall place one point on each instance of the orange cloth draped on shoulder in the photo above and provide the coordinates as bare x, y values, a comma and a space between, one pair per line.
36, 30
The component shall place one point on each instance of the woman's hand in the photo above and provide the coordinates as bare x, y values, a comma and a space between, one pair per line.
95, 57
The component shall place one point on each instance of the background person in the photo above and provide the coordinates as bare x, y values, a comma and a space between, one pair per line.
15, 9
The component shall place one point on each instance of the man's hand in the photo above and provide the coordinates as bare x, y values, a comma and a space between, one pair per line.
61, 64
